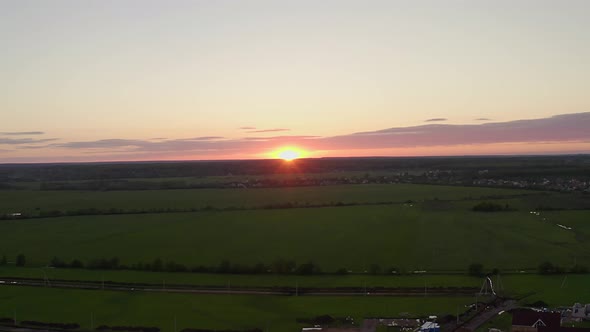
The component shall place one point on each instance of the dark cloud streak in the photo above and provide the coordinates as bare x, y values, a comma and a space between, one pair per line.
19, 141
22, 133
269, 130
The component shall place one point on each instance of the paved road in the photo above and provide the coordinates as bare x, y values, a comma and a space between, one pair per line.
369, 325
483, 316
488, 314
285, 291
24, 329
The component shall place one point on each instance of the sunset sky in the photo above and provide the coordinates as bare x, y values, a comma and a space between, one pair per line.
176, 80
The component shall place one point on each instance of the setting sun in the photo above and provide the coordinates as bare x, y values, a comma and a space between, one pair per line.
288, 154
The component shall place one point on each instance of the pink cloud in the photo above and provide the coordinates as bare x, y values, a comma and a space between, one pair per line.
444, 138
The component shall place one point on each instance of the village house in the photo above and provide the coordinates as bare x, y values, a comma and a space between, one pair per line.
530, 321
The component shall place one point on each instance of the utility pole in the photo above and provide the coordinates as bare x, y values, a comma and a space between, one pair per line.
14, 316
457, 315
91, 321
296, 288
174, 323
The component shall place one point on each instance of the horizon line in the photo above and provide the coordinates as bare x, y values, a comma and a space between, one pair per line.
279, 159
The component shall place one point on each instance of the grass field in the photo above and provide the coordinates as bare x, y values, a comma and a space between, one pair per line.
402, 236
437, 232
277, 313
33, 201
272, 313
556, 290
236, 280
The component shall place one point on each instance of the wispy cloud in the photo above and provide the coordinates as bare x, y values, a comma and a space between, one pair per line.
435, 120
557, 129
204, 138
18, 141
249, 129
483, 119
269, 130
276, 138
21, 133
106, 144
560, 128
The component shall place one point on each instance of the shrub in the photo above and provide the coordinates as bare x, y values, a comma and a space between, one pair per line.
20, 260
476, 270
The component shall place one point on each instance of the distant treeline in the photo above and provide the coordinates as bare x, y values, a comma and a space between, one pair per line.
126, 184
115, 211
76, 326
550, 268
279, 266
521, 166
492, 207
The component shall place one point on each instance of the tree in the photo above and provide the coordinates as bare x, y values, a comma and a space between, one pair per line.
3, 261
579, 269
308, 269
476, 270
549, 268
56, 262
158, 265
114, 263
224, 266
20, 260
76, 264
375, 269
283, 266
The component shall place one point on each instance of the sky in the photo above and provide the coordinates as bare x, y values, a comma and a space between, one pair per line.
193, 80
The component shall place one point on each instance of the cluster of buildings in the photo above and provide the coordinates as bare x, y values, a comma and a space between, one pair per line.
527, 320
557, 184
398, 324
523, 320
449, 177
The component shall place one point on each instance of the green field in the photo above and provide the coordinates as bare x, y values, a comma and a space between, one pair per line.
437, 231
242, 312
402, 236
556, 290
274, 313
33, 201
236, 280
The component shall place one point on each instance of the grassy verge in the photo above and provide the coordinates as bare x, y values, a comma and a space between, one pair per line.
205, 311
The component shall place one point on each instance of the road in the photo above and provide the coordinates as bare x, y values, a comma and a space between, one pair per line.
488, 314
491, 310
284, 291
